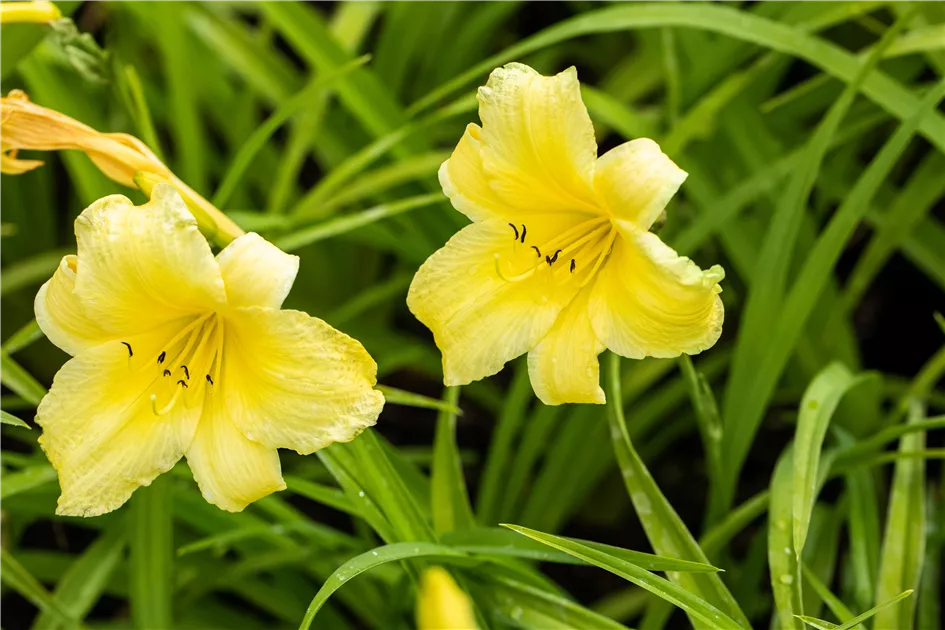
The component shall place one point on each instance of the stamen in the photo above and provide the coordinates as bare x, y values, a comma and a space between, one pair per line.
611, 237
209, 380
537, 251
167, 372
170, 405
130, 353
572, 265
518, 278
182, 382
524, 229
554, 258
186, 371
161, 357
514, 229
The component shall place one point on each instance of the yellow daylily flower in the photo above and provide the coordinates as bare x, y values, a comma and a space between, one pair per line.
121, 157
180, 353
38, 11
558, 261
441, 604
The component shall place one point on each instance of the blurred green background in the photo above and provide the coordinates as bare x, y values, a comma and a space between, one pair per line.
814, 139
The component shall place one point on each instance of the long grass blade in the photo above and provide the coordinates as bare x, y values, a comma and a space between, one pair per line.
818, 405
904, 538
665, 530
697, 608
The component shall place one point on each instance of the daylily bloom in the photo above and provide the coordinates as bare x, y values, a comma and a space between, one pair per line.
441, 604
37, 11
180, 353
121, 157
558, 261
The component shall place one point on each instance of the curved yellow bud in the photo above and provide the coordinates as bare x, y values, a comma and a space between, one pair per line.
38, 11
441, 604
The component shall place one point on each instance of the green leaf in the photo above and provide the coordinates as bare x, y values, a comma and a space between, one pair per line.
151, 561
31, 272
382, 179
836, 606
341, 225
261, 135
451, 510
510, 420
9, 418
498, 541
338, 463
818, 405
819, 623
387, 488
762, 350
519, 602
86, 579
326, 495
929, 613
665, 530
19, 380
26, 479
707, 416
19, 579
370, 559
782, 557
904, 538
23, 337
697, 608
396, 396
879, 87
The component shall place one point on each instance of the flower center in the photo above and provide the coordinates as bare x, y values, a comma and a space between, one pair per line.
187, 364
573, 255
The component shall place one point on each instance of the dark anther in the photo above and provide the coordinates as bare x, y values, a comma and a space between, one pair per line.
572, 265
167, 372
130, 353
538, 251
209, 380
186, 371
552, 259
181, 382
161, 357
514, 229
524, 229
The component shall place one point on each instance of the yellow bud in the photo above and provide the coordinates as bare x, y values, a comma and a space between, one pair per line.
121, 157
38, 11
441, 604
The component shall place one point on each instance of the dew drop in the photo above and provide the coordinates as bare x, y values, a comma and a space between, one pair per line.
787, 579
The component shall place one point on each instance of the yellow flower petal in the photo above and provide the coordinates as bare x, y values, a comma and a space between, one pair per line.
140, 267
649, 301
466, 183
538, 143
100, 431
231, 470
480, 320
256, 272
293, 381
60, 315
563, 367
441, 604
636, 180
